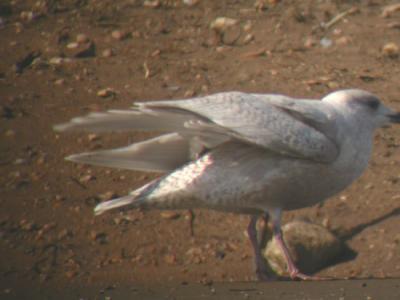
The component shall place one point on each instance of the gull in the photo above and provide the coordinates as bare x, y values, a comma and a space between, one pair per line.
256, 154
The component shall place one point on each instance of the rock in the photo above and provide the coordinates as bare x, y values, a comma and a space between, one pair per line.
99, 237
311, 246
107, 52
119, 35
82, 38
190, 2
152, 3
104, 93
170, 259
59, 60
169, 214
388, 10
60, 81
390, 50
220, 24
108, 196
83, 50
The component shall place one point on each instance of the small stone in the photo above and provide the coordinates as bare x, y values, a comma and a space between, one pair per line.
59, 60
27, 226
82, 38
170, 259
93, 137
28, 16
107, 196
10, 133
60, 81
83, 50
86, 178
152, 3
104, 93
390, 50
170, 215
248, 38
311, 246
343, 41
119, 35
99, 237
63, 234
310, 42
70, 274
220, 24
191, 2
107, 52
390, 9
73, 45
325, 42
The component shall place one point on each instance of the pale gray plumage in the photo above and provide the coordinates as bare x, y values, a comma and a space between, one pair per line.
246, 153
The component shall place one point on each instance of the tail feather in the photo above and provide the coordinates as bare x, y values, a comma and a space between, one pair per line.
160, 154
115, 203
134, 119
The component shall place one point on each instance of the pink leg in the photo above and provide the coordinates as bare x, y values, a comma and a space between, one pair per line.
261, 269
292, 269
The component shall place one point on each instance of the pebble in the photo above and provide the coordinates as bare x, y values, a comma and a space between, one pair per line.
152, 3
27, 16
86, 178
248, 38
100, 237
191, 2
93, 137
170, 259
311, 246
63, 234
82, 38
59, 60
220, 24
70, 274
325, 42
390, 9
27, 226
310, 42
107, 52
60, 81
73, 45
169, 214
104, 93
119, 35
10, 133
390, 50
107, 196
342, 41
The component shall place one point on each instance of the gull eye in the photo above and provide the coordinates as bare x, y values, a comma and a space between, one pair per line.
371, 102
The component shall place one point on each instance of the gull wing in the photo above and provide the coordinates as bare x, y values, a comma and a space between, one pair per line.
295, 128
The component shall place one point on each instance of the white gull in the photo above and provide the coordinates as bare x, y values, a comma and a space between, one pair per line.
257, 154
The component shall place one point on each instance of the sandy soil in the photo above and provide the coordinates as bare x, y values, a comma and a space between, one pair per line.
49, 235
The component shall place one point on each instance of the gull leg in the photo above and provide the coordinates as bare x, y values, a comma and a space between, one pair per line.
261, 268
292, 269
192, 216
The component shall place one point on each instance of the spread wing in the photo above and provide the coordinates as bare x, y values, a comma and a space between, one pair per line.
297, 128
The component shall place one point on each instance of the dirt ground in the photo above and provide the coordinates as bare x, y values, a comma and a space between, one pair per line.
146, 50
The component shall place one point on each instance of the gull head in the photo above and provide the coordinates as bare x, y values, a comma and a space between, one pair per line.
363, 106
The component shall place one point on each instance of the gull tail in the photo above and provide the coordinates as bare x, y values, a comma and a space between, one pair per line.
160, 154
137, 198
115, 203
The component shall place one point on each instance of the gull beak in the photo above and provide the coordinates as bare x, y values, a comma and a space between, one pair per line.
394, 117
